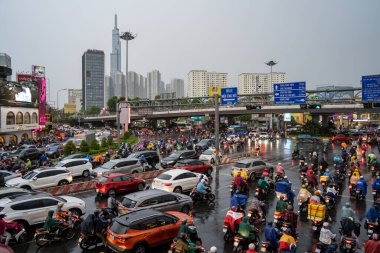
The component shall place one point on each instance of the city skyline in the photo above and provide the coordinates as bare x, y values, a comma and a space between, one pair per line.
320, 43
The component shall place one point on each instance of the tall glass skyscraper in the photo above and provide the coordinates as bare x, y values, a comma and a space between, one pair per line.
93, 79
116, 49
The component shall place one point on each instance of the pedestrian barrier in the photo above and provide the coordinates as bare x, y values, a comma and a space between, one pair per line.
90, 185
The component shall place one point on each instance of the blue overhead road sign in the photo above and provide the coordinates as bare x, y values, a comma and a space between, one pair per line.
229, 96
289, 93
371, 88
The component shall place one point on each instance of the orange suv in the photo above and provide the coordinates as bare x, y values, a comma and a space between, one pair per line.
139, 230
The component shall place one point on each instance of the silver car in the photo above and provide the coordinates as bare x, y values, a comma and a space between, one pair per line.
158, 200
9, 175
125, 165
254, 167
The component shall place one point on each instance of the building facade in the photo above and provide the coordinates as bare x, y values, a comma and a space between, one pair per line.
333, 94
200, 80
116, 49
6, 61
177, 86
93, 79
250, 83
74, 97
153, 83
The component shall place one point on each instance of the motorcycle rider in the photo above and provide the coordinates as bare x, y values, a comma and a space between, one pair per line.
303, 194
51, 225
202, 188
376, 185
355, 177
362, 186
143, 161
271, 235
372, 246
286, 240
263, 184
347, 211
112, 203
28, 164
184, 229
258, 209
3, 229
251, 248
317, 198
181, 245
233, 218
323, 163
371, 159
240, 183
348, 228
59, 213
281, 205
373, 214
326, 235
291, 217
312, 179
247, 231
213, 249
331, 191
280, 170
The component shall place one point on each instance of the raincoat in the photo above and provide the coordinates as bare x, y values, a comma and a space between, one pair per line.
373, 214
376, 185
238, 200
285, 241
262, 184
201, 188
233, 218
247, 231
362, 186
50, 224
281, 206
303, 195
271, 235
88, 225
348, 212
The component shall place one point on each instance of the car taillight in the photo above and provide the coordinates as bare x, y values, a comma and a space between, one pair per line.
168, 184
120, 239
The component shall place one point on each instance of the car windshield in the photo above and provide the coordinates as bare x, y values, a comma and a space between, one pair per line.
108, 165
208, 152
103, 179
133, 155
175, 155
164, 177
128, 203
242, 165
59, 164
30, 175
118, 228
203, 142
61, 199
180, 164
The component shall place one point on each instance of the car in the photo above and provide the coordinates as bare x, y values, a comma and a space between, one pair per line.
76, 142
151, 156
125, 165
158, 200
263, 135
5, 155
12, 191
255, 167
77, 167
208, 155
179, 155
204, 144
232, 138
37, 205
176, 180
42, 178
141, 230
54, 150
307, 138
194, 166
75, 156
9, 175
28, 153
253, 133
117, 182
340, 138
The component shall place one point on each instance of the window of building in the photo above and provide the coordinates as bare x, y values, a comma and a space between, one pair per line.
34, 118
27, 118
19, 118
10, 118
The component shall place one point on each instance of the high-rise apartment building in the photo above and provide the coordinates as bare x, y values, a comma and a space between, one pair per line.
250, 83
116, 49
93, 79
153, 83
74, 97
200, 80
177, 86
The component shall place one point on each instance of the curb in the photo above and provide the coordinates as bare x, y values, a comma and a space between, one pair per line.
90, 185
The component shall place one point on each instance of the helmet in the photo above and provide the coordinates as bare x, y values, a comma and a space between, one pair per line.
213, 249
279, 164
203, 181
361, 177
233, 208
327, 170
60, 204
142, 156
325, 224
251, 246
378, 177
286, 177
347, 204
303, 186
292, 247
184, 220
316, 193
282, 197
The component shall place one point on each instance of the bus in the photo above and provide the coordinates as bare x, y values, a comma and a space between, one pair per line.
238, 129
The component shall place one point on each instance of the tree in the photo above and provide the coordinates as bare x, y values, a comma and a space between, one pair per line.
95, 145
110, 140
84, 146
157, 97
69, 148
92, 111
104, 142
245, 118
111, 104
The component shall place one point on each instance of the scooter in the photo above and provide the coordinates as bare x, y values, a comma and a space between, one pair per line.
348, 245
302, 206
371, 229
241, 244
17, 232
330, 202
266, 247
316, 225
375, 195
44, 237
197, 197
88, 240
359, 194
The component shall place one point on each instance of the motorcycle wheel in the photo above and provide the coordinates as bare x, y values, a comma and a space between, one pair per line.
211, 204
211, 197
69, 233
87, 242
227, 236
42, 240
238, 249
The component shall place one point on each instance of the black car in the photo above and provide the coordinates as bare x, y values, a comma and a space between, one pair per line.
28, 153
151, 156
204, 144
179, 155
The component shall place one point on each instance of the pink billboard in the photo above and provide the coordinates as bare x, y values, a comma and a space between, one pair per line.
41, 100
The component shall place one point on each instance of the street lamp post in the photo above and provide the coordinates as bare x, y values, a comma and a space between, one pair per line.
58, 97
271, 64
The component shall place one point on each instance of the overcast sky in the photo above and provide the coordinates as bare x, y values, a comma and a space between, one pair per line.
320, 41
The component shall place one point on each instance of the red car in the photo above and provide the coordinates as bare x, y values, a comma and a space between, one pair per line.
340, 138
118, 182
194, 166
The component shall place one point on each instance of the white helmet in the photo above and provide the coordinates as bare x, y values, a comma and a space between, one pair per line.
213, 249
279, 164
203, 181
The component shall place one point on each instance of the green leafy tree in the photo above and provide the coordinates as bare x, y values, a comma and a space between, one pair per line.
293, 121
111, 104
84, 147
110, 140
92, 110
69, 148
245, 118
95, 145
104, 143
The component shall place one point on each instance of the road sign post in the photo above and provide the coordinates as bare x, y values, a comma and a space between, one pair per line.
229, 96
289, 93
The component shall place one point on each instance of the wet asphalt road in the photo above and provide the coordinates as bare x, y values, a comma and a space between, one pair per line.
210, 221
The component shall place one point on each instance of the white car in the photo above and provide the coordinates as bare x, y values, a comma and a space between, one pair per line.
264, 135
42, 178
77, 167
233, 137
31, 209
176, 180
208, 155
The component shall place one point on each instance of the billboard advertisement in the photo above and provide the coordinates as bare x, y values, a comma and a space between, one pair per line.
41, 100
215, 90
38, 71
24, 95
24, 78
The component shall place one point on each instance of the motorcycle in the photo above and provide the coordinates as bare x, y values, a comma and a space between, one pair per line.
260, 193
266, 247
330, 202
375, 195
197, 197
316, 225
323, 248
278, 219
88, 240
200, 249
352, 189
241, 244
359, 195
371, 229
17, 232
74, 221
302, 206
44, 237
255, 218
348, 245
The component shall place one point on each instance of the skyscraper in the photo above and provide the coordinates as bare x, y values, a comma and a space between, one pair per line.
177, 86
93, 79
74, 96
116, 49
201, 80
153, 84
250, 83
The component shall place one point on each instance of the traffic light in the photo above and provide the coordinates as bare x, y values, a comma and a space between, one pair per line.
314, 106
368, 105
253, 107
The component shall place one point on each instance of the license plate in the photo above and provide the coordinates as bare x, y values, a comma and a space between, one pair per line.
370, 231
357, 191
317, 251
348, 246
112, 237
224, 230
327, 201
314, 228
373, 193
80, 239
170, 251
97, 190
263, 249
236, 244
275, 220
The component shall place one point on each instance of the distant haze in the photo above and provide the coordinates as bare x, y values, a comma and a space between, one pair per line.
320, 42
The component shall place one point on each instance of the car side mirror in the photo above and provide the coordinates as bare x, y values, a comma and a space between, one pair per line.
181, 157
34, 179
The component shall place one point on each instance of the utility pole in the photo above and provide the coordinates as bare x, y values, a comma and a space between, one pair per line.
217, 150
271, 64
127, 36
